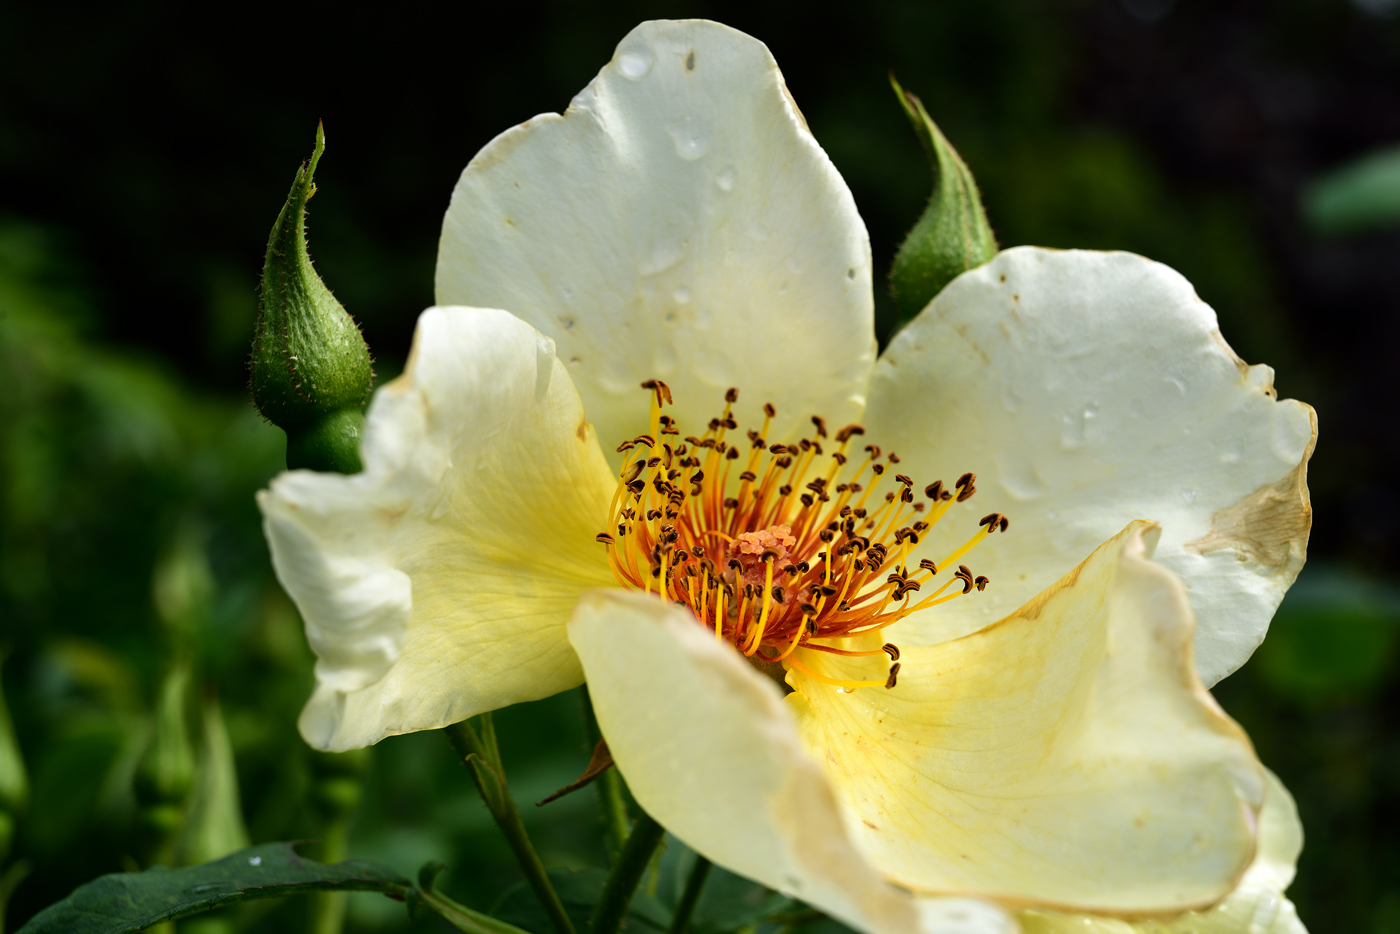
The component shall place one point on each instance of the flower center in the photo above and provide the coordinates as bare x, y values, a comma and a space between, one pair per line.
770, 547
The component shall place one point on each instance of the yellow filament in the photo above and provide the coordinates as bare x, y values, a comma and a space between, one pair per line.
767, 605
967, 546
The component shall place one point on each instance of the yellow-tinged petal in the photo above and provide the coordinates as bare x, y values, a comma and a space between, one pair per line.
709, 749
1085, 390
437, 583
1256, 906
678, 222
1066, 755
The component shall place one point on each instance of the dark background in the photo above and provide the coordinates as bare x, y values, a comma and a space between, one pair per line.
145, 149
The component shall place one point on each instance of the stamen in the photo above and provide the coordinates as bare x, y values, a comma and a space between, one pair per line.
786, 556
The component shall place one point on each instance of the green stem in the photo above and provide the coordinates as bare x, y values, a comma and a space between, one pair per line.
329, 907
626, 874
465, 919
483, 759
693, 885
616, 821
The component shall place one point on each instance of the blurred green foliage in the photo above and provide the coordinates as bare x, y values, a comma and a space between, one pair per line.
130, 548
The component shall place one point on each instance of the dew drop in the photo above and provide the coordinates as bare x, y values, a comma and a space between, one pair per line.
691, 144
569, 324
670, 317
1188, 496
255, 861
681, 295
725, 179
575, 361
635, 65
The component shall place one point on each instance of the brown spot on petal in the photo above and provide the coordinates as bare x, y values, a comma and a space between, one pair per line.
1269, 526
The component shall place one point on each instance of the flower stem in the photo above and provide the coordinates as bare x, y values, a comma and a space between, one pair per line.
626, 874
483, 759
694, 883
616, 821
463, 918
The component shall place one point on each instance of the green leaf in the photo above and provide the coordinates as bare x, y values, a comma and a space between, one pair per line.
952, 236
311, 369
133, 901
1360, 197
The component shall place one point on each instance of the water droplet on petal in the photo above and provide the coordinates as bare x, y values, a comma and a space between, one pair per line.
681, 295
635, 65
725, 179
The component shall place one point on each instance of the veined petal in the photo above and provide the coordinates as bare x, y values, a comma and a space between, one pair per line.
709, 749
436, 584
1066, 755
678, 222
1086, 390
1256, 906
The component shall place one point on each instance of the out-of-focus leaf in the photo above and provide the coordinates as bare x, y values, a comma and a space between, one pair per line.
1335, 637
129, 901
215, 825
1360, 196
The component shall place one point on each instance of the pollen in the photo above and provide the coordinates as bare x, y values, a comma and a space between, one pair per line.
781, 548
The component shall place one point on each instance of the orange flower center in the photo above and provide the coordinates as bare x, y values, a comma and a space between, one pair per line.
780, 547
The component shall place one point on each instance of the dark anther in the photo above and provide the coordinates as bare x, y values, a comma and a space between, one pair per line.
929, 566
845, 434
904, 479
825, 535
877, 469
785, 489
769, 410
768, 555
966, 479
731, 395
648, 440
919, 507
672, 474
636, 486
790, 570
784, 462
894, 675
731, 503
907, 496
891, 650
873, 450
698, 552
731, 424
626, 446
732, 454
839, 458
748, 475
777, 449
605, 538
808, 609
714, 424
803, 566
982, 583
1003, 524
821, 425
778, 594
663, 392
990, 519
653, 461
807, 499
858, 512
894, 459
733, 564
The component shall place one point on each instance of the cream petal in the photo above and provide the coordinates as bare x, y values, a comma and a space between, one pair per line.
1256, 906
1065, 756
679, 222
1087, 390
437, 583
710, 750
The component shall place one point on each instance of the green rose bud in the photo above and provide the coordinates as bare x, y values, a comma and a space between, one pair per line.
952, 236
311, 368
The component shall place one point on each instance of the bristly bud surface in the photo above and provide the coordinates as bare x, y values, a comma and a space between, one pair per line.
310, 370
952, 236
